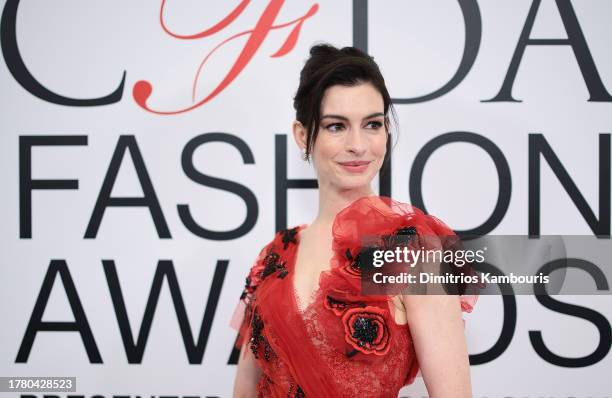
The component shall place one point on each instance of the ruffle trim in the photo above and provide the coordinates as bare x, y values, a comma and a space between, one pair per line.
378, 218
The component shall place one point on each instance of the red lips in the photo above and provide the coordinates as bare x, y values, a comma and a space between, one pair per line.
355, 166
355, 163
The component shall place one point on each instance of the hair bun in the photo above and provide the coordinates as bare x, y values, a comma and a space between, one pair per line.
323, 49
328, 49
355, 52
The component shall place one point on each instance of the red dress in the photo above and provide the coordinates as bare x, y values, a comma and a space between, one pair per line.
344, 344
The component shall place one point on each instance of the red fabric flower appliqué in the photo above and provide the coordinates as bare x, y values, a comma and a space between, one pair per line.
366, 330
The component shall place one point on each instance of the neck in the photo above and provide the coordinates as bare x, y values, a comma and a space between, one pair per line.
332, 200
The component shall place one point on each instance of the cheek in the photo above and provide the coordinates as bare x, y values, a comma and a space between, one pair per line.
326, 148
380, 146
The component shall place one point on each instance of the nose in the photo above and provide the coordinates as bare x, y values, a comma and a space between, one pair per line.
355, 143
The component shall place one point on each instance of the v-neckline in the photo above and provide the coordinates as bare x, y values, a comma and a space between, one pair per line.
294, 296
313, 295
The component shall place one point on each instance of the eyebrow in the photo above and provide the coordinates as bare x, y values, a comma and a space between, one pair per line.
345, 118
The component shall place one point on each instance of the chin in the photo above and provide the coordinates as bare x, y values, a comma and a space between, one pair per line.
353, 182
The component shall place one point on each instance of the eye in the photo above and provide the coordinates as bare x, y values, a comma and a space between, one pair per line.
375, 124
333, 127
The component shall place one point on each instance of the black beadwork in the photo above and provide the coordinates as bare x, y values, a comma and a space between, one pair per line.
258, 338
288, 236
247, 288
272, 264
295, 391
256, 327
365, 330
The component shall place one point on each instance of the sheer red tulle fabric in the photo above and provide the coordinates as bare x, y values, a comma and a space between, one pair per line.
344, 344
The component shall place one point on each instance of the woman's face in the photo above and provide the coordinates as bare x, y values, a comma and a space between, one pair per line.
351, 143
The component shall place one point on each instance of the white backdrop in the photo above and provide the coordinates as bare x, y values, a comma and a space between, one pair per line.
81, 49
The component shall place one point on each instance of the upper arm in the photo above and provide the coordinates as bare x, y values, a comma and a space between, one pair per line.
248, 371
242, 314
436, 323
247, 374
437, 331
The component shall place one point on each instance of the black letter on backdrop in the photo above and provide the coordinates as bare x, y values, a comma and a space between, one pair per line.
252, 210
22, 75
501, 165
575, 39
360, 40
165, 270
538, 145
27, 184
127, 143
284, 184
597, 319
80, 323
509, 324
473, 33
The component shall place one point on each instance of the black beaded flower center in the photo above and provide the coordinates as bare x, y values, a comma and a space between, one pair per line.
365, 330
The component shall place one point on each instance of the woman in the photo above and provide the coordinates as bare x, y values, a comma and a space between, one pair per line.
305, 327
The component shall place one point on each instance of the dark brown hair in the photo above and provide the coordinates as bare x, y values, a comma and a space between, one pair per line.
328, 66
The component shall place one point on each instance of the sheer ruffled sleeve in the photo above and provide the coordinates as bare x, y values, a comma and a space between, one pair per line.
241, 318
450, 241
381, 216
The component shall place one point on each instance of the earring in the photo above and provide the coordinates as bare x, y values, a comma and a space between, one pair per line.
304, 155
